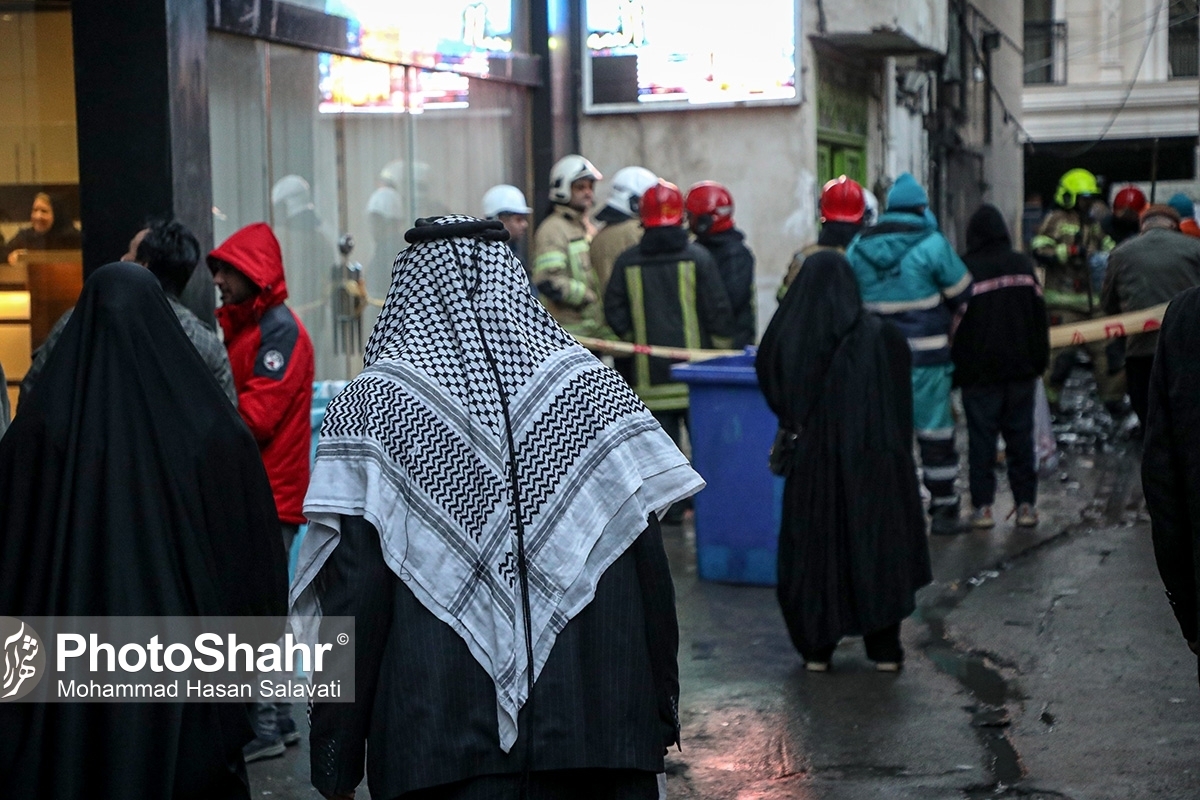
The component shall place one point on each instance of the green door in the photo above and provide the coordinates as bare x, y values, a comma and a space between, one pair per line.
839, 159
824, 164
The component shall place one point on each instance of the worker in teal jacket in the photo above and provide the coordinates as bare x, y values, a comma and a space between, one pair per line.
911, 276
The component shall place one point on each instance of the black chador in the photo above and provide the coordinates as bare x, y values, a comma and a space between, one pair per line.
130, 487
852, 548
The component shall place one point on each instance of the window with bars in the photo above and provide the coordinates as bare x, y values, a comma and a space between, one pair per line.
1183, 38
1045, 52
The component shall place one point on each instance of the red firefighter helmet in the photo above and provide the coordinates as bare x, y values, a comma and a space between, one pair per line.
1130, 199
709, 207
842, 200
661, 205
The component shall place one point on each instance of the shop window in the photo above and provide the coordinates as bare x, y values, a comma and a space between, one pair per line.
325, 146
40, 264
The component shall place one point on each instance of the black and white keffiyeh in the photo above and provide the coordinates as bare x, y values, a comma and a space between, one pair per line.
478, 429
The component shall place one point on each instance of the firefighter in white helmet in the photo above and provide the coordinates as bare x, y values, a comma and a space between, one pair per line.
622, 225
507, 204
562, 266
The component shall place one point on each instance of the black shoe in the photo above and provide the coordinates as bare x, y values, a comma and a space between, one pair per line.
261, 747
944, 521
288, 732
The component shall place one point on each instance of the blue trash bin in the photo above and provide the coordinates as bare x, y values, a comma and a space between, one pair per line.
731, 430
323, 392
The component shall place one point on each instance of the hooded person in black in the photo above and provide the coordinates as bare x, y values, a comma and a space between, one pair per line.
1000, 347
852, 546
130, 487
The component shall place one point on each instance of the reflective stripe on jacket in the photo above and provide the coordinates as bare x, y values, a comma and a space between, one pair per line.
563, 275
667, 292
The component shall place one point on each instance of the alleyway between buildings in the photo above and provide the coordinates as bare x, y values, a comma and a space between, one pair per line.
1041, 664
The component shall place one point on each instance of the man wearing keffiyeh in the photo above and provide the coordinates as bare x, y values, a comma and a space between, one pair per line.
485, 503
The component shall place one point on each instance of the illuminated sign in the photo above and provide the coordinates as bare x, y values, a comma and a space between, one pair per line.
681, 54
429, 33
352, 85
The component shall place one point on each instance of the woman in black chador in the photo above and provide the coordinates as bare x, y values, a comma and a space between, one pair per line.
130, 487
852, 548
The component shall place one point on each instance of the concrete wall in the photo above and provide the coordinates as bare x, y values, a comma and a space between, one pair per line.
1105, 40
989, 165
1004, 162
764, 156
921, 21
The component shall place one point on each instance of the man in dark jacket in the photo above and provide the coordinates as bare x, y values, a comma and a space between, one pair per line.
1000, 348
1171, 459
272, 360
666, 291
1143, 272
170, 251
710, 217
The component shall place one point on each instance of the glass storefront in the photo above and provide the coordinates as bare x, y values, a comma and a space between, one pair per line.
323, 146
40, 266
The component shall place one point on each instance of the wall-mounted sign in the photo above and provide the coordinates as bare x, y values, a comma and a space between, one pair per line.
429, 34
642, 54
352, 85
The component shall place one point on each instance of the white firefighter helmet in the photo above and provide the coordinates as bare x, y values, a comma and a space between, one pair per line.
628, 186
504, 199
566, 171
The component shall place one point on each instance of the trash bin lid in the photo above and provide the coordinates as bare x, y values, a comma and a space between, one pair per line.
737, 369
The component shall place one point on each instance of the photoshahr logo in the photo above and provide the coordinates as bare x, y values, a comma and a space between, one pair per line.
24, 659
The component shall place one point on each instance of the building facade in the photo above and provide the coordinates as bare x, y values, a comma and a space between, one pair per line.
1111, 86
351, 118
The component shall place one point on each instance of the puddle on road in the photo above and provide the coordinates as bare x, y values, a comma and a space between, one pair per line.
1087, 435
991, 690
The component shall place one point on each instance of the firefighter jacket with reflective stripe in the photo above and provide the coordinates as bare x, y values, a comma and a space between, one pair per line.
563, 275
668, 292
612, 240
1063, 245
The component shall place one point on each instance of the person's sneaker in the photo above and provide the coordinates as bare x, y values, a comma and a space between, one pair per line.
1027, 516
261, 747
288, 732
816, 666
888, 666
981, 518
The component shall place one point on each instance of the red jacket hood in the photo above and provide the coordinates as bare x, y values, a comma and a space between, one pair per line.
255, 252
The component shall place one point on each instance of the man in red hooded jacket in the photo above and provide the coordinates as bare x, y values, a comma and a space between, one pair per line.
272, 360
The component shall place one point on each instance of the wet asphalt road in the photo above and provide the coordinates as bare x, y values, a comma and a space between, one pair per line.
1041, 664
